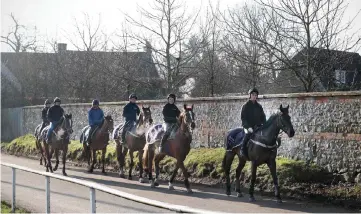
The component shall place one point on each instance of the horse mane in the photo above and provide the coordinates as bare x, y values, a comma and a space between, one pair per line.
270, 120
181, 116
141, 119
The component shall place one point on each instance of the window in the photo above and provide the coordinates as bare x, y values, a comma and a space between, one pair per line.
340, 77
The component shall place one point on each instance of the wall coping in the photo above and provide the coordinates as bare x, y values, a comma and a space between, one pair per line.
243, 97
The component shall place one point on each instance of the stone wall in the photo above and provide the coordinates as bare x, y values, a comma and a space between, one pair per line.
327, 125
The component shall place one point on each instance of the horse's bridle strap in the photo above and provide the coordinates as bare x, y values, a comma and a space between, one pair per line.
263, 145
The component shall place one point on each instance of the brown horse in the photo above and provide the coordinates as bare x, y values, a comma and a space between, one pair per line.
60, 139
99, 141
134, 141
177, 147
38, 144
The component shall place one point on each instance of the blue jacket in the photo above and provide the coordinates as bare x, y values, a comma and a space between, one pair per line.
95, 116
130, 112
55, 113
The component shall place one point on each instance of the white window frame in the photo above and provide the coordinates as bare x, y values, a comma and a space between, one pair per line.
340, 76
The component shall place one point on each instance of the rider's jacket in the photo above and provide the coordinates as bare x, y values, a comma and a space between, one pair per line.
252, 115
43, 114
130, 112
55, 113
95, 116
170, 113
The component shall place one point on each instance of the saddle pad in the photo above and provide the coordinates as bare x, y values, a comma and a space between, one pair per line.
234, 138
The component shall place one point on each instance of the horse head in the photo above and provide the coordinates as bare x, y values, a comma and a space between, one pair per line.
285, 121
109, 123
147, 115
187, 117
67, 124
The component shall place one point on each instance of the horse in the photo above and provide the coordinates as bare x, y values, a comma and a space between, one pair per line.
60, 138
177, 147
262, 148
38, 143
134, 141
99, 141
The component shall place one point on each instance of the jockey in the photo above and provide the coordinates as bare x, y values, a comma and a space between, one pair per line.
43, 115
252, 116
95, 117
170, 115
130, 113
54, 115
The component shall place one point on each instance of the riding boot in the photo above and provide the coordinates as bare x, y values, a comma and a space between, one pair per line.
124, 131
90, 135
244, 144
164, 139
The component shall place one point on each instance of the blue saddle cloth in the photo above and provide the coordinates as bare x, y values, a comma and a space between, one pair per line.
234, 138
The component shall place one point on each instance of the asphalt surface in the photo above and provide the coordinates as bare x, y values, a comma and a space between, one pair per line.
68, 197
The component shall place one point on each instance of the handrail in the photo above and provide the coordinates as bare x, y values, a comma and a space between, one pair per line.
103, 188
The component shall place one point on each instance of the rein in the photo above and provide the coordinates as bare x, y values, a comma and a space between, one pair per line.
272, 146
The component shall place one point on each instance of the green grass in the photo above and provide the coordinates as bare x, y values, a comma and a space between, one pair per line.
6, 208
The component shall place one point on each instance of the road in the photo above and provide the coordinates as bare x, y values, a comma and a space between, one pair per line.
68, 197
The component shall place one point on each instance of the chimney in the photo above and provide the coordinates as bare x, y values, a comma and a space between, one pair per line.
148, 47
61, 47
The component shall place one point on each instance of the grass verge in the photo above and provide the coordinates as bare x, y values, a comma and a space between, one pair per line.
6, 208
297, 179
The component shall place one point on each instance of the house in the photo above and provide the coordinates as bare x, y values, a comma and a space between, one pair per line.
329, 70
80, 76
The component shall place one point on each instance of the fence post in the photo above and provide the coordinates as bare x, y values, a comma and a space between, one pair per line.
13, 187
47, 193
92, 200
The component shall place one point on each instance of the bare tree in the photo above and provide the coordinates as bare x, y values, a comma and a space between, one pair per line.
19, 39
167, 26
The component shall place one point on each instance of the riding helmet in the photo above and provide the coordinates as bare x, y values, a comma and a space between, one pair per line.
133, 96
57, 99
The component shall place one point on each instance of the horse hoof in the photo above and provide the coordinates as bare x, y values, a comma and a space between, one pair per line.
228, 192
121, 176
104, 172
156, 184
252, 199
64, 173
171, 187
130, 178
141, 180
152, 185
189, 191
239, 195
279, 201
90, 171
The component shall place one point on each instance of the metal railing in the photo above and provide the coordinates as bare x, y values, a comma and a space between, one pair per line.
92, 187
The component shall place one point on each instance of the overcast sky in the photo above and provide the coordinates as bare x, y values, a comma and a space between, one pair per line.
53, 17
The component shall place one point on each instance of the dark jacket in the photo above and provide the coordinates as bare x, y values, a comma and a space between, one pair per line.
252, 115
170, 113
55, 113
95, 116
44, 117
130, 112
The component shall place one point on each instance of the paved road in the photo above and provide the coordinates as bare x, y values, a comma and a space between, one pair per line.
67, 197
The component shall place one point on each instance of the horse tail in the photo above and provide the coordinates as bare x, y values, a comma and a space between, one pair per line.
145, 156
225, 153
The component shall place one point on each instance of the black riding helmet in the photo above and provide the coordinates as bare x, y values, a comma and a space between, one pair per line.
95, 102
133, 96
47, 102
172, 96
253, 90
57, 99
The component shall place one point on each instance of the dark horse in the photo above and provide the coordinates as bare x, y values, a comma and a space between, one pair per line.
38, 143
177, 147
134, 141
99, 141
60, 139
262, 148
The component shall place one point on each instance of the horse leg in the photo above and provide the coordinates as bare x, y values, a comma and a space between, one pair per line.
104, 151
140, 164
241, 164
272, 166
131, 164
186, 175
56, 158
157, 160
121, 159
253, 181
170, 184
38, 146
227, 163
93, 151
65, 151
48, 164
150, 165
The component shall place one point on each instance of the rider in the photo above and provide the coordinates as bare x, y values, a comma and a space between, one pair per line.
252, 116
43, 114
54, 115
170, 115
95, 117
130, 113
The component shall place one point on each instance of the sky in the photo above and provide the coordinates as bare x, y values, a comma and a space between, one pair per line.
53, 18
